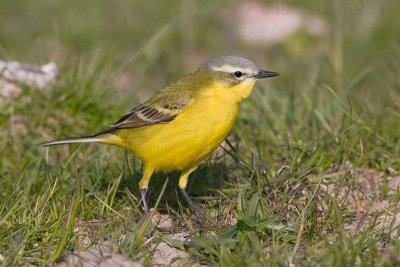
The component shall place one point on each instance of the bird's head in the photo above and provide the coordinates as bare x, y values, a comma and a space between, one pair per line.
233, 75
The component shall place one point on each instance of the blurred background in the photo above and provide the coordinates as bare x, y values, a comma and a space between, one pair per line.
147, 45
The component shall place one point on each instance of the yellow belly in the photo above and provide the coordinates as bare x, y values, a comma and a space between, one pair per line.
187, 140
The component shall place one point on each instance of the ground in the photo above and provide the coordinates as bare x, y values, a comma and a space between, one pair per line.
309, 175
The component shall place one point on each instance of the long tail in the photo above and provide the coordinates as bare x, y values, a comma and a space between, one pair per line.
102, 137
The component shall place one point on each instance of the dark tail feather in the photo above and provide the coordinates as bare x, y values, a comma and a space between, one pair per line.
95, 138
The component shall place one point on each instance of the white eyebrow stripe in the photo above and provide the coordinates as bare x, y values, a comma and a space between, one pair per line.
231, 69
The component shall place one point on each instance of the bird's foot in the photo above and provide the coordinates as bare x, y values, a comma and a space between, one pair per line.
144, 200
201, 219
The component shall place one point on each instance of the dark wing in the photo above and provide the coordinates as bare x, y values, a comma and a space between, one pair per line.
144, 115
163, 107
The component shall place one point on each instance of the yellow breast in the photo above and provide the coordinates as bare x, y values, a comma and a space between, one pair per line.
187, 140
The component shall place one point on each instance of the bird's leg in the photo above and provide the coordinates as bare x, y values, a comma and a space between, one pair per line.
182, 185
143, 187
144, 200
196, 211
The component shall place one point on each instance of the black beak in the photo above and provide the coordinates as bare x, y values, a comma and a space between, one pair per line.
265, 74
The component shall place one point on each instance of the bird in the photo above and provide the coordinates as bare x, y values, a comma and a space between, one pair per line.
181, 125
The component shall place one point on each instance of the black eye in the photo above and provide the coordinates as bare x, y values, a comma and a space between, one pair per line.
238, 74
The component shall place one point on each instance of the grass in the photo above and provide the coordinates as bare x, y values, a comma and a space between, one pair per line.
309, 174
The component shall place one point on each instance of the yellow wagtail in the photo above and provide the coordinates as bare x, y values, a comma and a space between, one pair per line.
182, 124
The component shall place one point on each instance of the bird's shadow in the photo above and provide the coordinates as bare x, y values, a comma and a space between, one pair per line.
202, 183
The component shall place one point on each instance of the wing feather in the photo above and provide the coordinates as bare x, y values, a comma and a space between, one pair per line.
163, 107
